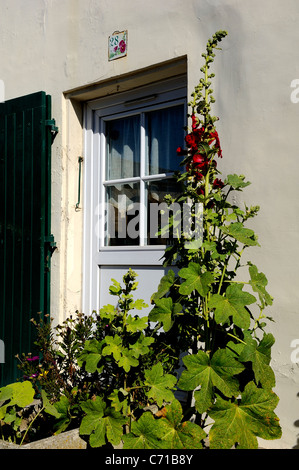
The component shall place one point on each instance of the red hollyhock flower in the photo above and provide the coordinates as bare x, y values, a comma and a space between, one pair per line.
191, 140
201, 191
198, 159
214, 135
218, 183
199, 133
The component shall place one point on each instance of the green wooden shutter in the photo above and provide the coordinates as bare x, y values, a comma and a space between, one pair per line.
25, 223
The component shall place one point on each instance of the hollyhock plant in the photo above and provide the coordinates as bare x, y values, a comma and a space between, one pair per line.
202, 304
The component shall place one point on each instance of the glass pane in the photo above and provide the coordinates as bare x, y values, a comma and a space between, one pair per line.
122, 215
123, 148
164, 134
158, 212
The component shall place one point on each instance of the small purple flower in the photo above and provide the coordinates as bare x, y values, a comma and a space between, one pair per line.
34, 358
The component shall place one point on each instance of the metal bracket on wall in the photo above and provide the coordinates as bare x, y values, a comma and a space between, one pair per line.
80, 160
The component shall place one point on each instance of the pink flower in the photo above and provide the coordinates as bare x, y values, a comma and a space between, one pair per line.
122, 46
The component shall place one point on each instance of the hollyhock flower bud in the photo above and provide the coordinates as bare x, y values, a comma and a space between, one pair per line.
180, 151
194, 121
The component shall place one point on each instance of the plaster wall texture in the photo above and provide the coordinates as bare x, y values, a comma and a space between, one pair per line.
61, 45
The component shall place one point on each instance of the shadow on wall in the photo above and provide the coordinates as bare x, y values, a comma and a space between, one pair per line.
296, 424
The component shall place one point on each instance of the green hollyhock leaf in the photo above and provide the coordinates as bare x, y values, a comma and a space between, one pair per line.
114, 347
114, 423
212, 248
260, 356
145, 433
258, 282
22, 393
100, 422
141, 346
115, 289
49, 407
178, 434
165, 284
134, 324
236, 181
240, 233
91, 355
108, 312
6, 393
164, 311
11, 417
138, 304
195, 280
62, 407
160, 384
232, 304
243, 421
127, 360
193, 244
98, 435
119, 401
94, 410
209, 373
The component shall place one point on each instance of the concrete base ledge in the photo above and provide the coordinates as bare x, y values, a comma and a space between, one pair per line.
65, 440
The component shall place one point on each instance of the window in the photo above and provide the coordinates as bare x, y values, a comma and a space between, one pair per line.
130, 143
137, 152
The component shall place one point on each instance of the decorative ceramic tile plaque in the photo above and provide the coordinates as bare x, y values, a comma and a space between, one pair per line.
117, 45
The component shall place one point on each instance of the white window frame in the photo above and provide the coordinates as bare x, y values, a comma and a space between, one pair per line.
170, 92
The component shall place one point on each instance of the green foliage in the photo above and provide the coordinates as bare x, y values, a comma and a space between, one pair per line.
101, 423
13, 398
178, 433
130, 355
145, 433
232, 304
241, 421
114, 373
20, 415
160, 384
210, 373
166, 430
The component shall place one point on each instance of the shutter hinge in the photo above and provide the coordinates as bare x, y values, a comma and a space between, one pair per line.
49, 240
53, 128
50, 246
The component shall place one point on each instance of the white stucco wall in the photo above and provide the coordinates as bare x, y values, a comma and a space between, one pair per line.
60, 45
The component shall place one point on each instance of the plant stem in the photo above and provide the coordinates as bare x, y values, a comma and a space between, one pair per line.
30, 424
222, 277
235, 337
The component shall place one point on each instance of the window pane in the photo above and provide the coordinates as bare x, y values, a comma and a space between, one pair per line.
157, 211
123, 148
122, 214
164, 134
